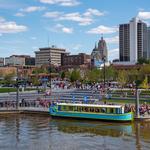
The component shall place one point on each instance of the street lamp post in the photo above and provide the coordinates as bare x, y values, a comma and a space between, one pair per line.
137, 100
104, 72
17, 86
49, 60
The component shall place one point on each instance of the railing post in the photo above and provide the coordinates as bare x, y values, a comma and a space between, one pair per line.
137, 103
17, 93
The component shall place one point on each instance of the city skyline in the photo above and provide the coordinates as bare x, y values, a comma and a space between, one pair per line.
26, 26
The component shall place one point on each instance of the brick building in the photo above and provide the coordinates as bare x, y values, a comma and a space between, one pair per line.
73, 61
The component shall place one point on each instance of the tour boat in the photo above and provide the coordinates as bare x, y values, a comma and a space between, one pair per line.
90, 111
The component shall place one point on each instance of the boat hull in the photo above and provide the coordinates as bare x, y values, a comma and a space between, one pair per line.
100, 116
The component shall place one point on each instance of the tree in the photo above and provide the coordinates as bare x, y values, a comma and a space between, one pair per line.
75, 75
93, 75
143, 61
1, 73
8, 78
35, 81
39, 70
145, 83
63, 75
111, 73
122, 78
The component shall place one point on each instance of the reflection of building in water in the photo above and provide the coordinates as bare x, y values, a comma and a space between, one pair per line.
101, 128
99, 53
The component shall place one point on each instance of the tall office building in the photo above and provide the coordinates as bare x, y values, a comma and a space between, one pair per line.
124, 42
99, 53
148, 42
49, 54
133, 41
102, 48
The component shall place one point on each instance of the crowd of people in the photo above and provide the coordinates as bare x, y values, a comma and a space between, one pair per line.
144, 108
25, 103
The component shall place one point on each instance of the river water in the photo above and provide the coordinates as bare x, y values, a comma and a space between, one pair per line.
33, 132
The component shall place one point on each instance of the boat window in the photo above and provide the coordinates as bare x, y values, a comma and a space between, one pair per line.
86, 109
62, 108
91, 109
117, 110
70, 108
75, 108
79, 109
97, 110
110, 110
83, 109
103, 110
59, 107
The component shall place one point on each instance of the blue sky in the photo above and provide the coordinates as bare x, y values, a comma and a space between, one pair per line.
26, 25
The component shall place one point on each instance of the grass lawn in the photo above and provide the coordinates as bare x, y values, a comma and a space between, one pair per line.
6, 90
124, 101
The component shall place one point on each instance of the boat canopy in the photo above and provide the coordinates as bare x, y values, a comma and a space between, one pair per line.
90, 105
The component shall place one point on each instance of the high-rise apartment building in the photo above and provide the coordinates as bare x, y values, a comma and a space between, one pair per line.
133, 41
124, 42
148, 42
48, 55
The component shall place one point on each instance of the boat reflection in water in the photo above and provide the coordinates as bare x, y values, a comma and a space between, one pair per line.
44, 133
93, 127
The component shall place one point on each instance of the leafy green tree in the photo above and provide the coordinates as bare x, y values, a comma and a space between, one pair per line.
39, 70
133, 75
143, 61
94, 75
110, 73
145, 83
75, 75
63, 75
122, 78
35, 81
1, 74
8, 78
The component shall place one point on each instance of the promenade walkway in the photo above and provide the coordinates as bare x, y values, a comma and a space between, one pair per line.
33, 102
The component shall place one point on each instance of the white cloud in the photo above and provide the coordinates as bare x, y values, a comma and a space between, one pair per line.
53, 14
103, 30
112, 40
67, 30
61, 2
61, 28
32, 9
77, 17
113, 54
90, 12
144, 15
19, 15
10, 27
82, 19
